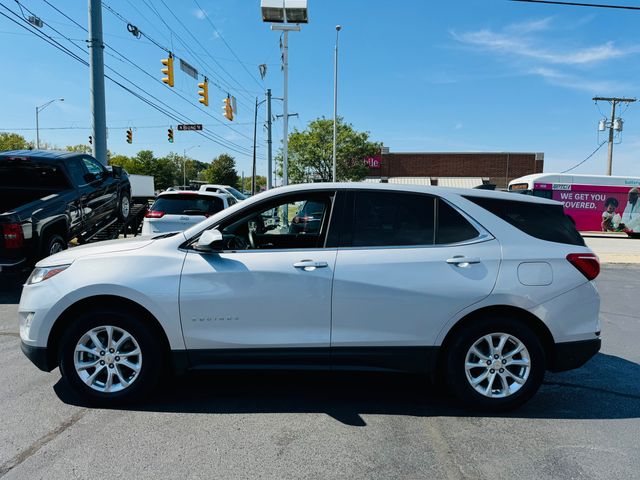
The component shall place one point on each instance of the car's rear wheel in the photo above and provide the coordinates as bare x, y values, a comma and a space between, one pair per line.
495, 364
109, 356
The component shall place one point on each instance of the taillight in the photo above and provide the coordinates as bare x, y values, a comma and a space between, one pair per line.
154, 214
587, 263
12, 233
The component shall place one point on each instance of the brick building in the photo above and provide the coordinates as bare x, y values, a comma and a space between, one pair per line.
454, 169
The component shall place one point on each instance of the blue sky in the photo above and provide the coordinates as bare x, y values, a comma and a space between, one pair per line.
467, 75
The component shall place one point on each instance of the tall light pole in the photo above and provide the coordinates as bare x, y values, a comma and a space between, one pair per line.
38, 110
282, 12
335, 102
184, 163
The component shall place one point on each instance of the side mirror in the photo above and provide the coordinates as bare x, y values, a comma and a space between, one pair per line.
89, 177
210, 241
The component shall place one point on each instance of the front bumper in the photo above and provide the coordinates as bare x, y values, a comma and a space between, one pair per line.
38, 356
570, 355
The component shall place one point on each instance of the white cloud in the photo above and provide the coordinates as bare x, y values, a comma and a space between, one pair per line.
200, 14
523, 46
592, 86
532, 52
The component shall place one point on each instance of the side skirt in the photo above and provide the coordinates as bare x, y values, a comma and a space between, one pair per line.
381, 359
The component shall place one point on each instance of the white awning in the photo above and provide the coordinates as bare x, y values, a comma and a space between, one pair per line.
459, 182
410, 180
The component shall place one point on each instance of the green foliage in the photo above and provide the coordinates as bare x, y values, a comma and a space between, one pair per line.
222, 171
13, 141
78, 148
311, 153
261, 184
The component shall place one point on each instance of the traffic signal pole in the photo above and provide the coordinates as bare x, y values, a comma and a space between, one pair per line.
269, 143
96, 68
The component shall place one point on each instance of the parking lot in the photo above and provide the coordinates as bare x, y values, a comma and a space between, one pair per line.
582, 424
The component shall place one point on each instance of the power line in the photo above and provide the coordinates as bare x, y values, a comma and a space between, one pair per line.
127, 59
175, 116
578, 4
211, 77
590, 155
206, 15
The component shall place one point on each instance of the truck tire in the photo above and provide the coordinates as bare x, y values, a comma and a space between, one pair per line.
124, 206
52, 244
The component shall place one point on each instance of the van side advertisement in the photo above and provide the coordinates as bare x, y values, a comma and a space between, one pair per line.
597, 207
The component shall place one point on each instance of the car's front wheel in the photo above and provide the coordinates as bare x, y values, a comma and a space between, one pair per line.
495, 364
109, 356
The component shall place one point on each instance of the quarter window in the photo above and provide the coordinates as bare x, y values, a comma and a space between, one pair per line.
452, 226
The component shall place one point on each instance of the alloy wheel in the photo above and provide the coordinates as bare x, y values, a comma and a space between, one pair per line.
497, 365
107, 359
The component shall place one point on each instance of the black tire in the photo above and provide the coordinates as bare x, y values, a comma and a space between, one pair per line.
52, 244
151, 356
124, 206
456, 356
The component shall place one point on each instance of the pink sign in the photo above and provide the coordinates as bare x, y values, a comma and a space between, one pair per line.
373, 162
598, 207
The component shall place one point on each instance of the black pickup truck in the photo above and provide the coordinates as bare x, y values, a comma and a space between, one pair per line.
49, 197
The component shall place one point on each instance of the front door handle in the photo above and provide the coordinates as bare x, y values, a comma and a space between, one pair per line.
310, 265
462, 261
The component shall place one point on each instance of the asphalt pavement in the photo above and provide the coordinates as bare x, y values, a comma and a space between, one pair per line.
583, 424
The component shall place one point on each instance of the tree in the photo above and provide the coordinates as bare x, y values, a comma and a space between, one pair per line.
222, 171
261, 183
13, 141
78, 148
311, 153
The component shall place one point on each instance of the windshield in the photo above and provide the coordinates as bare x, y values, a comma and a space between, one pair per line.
236, 193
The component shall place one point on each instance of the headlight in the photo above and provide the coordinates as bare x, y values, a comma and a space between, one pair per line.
44, 273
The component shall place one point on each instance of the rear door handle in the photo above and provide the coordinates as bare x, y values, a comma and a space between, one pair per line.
462, 261
310, 265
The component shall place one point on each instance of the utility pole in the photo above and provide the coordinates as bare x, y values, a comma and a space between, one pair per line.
614, 101
269, 146
255, 133
96, 66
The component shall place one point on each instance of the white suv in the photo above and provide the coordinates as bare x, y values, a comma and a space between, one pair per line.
227, 189
485, 290
180, 209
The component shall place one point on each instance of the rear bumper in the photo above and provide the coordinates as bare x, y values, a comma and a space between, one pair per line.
38, 356
570, 355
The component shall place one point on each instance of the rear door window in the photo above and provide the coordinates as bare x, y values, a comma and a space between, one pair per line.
543, 221
382, 219
188, 204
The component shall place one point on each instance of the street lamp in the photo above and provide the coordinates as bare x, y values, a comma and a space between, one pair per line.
285, 11
335, 102
38, 110
184, 164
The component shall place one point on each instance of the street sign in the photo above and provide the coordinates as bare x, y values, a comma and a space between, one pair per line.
190, 126
188, 69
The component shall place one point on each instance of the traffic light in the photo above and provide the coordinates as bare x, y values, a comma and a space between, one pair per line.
90, 140
228, 109
204, 93
168, 70
170, 135
129, 136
